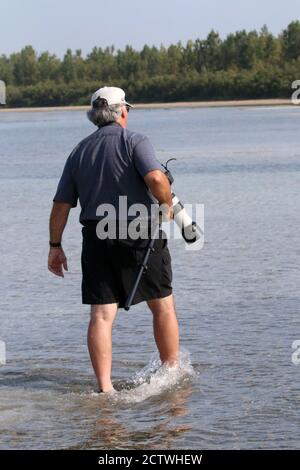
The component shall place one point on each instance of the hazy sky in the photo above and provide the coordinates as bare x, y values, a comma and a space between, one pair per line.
55, 25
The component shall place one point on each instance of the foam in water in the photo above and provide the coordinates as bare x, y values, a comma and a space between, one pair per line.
154, 379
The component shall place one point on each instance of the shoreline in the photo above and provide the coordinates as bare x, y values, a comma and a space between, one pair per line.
178, 104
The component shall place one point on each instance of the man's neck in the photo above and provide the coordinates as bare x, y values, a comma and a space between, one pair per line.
122, 122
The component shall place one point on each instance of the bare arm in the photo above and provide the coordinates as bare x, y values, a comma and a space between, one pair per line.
58, 219
160, 187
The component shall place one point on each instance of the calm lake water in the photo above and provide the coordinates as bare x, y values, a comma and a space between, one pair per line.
237, 299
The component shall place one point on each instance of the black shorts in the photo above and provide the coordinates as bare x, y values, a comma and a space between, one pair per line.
110, 267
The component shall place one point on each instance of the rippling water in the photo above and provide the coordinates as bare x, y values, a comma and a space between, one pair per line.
237, 299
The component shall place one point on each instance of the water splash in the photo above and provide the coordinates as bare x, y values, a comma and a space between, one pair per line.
154, 379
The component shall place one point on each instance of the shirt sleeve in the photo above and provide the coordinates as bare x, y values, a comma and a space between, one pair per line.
66, 190
144, 157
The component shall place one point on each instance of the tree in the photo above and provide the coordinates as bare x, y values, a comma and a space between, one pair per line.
48, 67
212, 51
291, 41
73, 66
128, 62
24, 66
6, 70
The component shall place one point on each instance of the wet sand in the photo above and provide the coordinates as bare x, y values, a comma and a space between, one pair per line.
182, 104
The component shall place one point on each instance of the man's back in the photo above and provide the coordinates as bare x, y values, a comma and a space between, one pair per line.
109, 163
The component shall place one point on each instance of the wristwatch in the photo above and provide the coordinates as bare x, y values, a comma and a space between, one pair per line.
55, 245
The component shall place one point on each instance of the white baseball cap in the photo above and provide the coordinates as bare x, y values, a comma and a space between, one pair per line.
112, 95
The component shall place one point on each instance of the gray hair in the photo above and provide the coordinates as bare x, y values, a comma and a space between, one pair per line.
102, 114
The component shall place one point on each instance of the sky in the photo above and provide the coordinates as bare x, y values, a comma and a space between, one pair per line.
56, 25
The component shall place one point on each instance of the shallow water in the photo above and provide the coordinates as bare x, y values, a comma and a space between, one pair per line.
237, 299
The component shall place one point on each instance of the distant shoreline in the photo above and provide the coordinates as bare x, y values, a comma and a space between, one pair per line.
181, 104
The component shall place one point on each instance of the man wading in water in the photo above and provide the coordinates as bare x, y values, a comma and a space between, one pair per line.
110, 163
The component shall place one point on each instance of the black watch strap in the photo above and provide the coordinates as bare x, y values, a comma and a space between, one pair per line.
55, 245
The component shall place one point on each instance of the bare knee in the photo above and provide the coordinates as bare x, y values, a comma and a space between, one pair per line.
98, 320
162, 307
103, 313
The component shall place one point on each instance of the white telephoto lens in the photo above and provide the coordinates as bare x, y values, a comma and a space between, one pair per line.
190, 231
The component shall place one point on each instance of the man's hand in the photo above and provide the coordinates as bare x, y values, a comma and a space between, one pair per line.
167, 212
56, 261
58, 219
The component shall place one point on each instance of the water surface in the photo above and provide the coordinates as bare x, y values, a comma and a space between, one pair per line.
237, 299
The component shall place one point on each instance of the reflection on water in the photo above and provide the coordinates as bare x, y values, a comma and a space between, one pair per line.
111, 432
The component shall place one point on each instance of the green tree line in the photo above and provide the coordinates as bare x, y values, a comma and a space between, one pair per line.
243, 65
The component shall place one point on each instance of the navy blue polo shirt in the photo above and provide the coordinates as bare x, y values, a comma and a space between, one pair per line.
109, 163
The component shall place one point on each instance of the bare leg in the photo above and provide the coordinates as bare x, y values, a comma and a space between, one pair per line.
165, 325
100, 342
